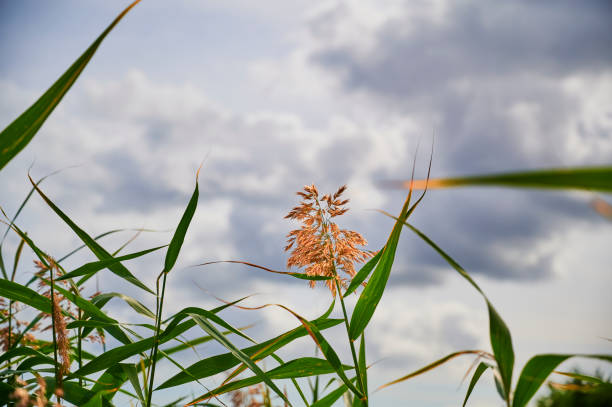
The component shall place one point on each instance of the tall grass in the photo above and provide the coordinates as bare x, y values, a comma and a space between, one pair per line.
35, 369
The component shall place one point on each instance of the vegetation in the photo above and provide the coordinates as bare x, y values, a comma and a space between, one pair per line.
36, 369
580, 390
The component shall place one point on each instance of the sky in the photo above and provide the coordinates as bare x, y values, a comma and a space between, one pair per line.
277, 95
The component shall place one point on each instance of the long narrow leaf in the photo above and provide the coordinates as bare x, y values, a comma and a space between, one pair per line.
19, 133
302, 367
501, 340
96, 249
179, 235
372, 293
95, 266
537, 370
121, 353
479, 371
363, 273
243, 357
219, 363
17, 292
585, 178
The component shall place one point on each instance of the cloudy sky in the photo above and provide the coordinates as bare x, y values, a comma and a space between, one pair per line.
276, 95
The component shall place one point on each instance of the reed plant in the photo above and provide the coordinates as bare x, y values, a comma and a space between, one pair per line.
36, 369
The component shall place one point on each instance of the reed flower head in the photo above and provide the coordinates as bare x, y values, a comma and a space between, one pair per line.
320, 246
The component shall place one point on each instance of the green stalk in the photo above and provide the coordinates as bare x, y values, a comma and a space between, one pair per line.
325, 233
353, 353
158, 320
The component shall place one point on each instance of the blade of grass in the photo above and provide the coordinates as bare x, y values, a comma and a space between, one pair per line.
17, 292
171, 256
363, 273
331, 398
19, 133
96, 249
219, 363
95, 266
477, 373
302, 367
243, 357
501, 340
584, 178
133, 303
372, 293
132, 374
537, 369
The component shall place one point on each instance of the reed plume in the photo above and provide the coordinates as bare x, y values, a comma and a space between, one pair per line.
319, 245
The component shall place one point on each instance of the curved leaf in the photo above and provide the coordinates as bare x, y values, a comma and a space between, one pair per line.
179, 235
17, 292
537, 370
219, 363
19, 133
586, 178
96, 249
95, 266
302, 367
363, 273
243, 357
479, 371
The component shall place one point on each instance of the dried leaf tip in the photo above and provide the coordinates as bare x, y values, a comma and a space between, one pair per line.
320, 246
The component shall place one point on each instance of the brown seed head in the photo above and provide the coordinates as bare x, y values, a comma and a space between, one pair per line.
320, 246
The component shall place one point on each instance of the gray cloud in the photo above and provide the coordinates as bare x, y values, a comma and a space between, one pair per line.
475, 39
490, 79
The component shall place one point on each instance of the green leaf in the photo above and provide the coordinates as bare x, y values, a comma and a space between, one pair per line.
363, 367
585, 178
110, 381
372, 293
330, 354
95, 313
96, 249
77, 395
133, 303
19, 133
363, 371
479, 371
23, 351
331, 398
219, 363
95, 266
17, 292
113, 356
302, 367
537, 370
442, 253
363, 273
243, 357
132, 374
501, 342
179, 236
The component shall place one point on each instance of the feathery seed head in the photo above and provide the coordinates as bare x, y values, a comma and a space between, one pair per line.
320, 246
